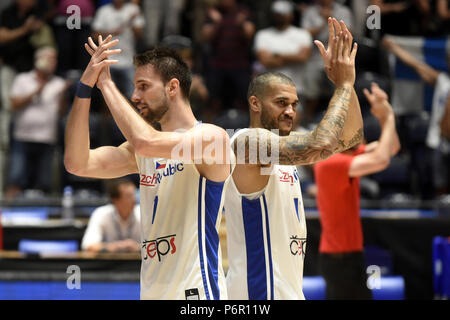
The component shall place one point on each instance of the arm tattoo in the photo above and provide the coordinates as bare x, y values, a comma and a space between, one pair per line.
357, 138
301, 148
325, 139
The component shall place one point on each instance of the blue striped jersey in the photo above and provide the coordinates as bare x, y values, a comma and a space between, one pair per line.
180, 217
266, 239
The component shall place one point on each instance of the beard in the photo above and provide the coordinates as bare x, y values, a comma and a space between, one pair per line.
154, 115
270, 123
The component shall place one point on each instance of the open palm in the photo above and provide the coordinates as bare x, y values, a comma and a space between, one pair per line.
335, 30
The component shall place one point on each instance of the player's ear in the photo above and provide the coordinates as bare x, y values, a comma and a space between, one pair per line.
255, 104
172, 87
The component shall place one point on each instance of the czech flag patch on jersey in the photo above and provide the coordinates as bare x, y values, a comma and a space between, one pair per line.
160, 165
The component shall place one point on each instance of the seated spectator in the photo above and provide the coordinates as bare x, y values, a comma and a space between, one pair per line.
283, 47
115, 227
314, 20
441, 83
125, 22
37, 99
229, 32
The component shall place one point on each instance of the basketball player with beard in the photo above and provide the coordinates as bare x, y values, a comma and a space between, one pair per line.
181, 192
265, 220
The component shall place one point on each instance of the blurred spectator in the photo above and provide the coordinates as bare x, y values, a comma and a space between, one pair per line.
18, 22
115, 227
4, 4
341, 259
434, 140
21, 31
302, 5
163, 18
37, 99
314, 20
445, 123
260, 12
283, 47
443, 12
197, 12
395, 18
359, 9
441, 83
199, 94
72, 55
229, 32
125, 22
407, 17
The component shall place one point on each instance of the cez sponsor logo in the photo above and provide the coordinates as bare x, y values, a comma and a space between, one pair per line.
159, 247
297, 246
155, 179
287, 177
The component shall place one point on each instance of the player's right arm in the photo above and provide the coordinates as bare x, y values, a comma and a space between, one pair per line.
79, 158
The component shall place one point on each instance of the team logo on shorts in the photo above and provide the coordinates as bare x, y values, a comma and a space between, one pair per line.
159, 247
297, 246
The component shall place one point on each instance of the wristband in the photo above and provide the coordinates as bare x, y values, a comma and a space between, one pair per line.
83, 91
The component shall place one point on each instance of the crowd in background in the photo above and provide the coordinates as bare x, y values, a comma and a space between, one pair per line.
225, 43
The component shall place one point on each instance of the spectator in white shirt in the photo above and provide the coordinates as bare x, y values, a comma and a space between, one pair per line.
115, 227
124, 21
283, 47
314, 19
37, 100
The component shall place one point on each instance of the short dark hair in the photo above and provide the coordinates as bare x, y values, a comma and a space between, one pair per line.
114, 185
168, 64
259, 83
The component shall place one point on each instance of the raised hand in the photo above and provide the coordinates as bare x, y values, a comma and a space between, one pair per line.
215, 15
379, 102
388, 43
32, 24
99, 60
339, 57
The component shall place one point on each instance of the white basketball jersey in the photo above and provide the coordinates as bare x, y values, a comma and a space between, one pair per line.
180, 218
266, 239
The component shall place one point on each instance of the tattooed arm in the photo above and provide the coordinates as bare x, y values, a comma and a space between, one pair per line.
340, 128
261, 146
353, 129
